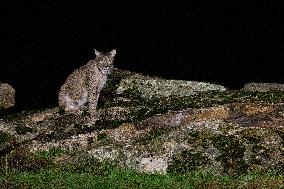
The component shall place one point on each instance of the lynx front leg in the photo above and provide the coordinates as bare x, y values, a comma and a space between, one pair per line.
93, 102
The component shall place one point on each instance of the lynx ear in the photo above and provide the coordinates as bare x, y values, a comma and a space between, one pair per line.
113, 52
97, 52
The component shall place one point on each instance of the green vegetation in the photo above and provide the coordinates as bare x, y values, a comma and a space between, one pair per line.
154, 134
119, 178
204, 98
186, 162
64, 169
82, 171
229, 151
4, 137
154, 106
147, 107
232, 152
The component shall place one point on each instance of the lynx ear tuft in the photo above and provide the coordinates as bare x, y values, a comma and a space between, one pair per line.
97, 52
113, 52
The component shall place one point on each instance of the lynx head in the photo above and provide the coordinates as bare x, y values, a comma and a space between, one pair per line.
105, 61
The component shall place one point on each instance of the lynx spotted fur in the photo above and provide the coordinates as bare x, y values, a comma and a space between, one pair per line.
82, 88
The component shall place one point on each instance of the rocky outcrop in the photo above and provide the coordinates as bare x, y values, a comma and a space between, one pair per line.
231, 138
149, 87
263, 87
7, 96
220, 131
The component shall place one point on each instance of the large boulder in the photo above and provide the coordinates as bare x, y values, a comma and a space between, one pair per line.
232, 138
7, 96
263, 87
147, 130
149, 87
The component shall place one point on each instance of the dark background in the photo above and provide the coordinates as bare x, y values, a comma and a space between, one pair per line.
229, 43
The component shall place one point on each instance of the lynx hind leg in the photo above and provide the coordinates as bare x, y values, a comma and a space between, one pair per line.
75, 107
94, 116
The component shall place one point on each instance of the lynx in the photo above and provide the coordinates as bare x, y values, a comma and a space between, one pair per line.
82, 88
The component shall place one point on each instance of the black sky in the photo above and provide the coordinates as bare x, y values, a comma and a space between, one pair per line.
230, 42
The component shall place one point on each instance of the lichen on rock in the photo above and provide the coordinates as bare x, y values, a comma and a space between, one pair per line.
263, 87
153, 87
155, 125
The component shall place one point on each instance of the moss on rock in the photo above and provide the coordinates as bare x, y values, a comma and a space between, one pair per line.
231, 153
187, 161
21, 129
5, 137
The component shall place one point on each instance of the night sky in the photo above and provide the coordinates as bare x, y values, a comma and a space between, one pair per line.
229, 43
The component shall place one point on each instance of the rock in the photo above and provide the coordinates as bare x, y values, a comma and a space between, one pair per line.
11, 137
221, 131
263, 87
231, 138
148, 87
7, 96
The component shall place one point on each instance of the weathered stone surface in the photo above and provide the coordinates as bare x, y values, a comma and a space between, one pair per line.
7, 96
224, 132
231, 138
263, 87
149, 87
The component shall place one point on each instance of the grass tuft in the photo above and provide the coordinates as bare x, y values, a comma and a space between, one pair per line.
90, 173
